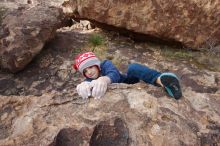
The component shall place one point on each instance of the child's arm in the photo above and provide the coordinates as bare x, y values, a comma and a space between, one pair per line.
109, 70
110, 74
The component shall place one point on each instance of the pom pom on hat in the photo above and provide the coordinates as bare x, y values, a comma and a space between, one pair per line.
85, 60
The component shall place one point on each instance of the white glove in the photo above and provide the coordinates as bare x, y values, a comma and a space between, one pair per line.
84, 89
99, 86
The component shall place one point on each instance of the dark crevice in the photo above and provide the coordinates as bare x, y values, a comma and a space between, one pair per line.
137, 37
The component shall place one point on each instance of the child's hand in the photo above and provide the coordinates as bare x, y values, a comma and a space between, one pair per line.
100, 86
84, 89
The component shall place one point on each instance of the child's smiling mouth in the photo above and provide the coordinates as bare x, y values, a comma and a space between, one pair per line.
92, 75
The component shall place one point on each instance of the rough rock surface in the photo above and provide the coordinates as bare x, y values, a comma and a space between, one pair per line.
192, 120
107, 133
24, 32
16, 3
110, 133
39, 106
71, 137
194, 23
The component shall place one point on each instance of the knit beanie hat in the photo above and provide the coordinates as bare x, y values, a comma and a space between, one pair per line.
85, 60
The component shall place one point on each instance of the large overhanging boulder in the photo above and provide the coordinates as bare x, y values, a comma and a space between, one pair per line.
24, 32
194, 23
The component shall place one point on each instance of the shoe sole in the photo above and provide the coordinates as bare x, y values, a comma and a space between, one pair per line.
171, 85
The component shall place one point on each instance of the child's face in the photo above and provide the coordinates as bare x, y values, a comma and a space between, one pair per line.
91, 72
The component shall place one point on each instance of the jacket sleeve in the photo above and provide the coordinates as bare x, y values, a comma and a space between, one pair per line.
109, 70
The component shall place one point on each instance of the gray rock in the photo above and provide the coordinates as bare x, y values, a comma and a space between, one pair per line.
110, 133
24, 32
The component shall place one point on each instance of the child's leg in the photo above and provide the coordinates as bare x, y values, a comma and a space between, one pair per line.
169, 81
138, 72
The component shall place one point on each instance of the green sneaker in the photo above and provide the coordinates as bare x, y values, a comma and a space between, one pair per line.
171, 84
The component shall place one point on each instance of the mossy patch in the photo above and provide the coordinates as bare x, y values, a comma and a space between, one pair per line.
96, 40
177, 54
207, 60
201, 59
96, 43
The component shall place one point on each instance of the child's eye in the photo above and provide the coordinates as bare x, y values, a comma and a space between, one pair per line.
85, 71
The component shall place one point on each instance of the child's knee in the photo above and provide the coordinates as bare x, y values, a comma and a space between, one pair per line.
135, 66
132, 67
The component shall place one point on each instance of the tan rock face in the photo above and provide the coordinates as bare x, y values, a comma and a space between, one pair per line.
144, 119
194, 23
24, 32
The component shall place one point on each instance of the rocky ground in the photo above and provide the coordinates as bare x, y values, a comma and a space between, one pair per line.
38, 102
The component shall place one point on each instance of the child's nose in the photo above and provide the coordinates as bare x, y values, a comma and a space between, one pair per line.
89, 71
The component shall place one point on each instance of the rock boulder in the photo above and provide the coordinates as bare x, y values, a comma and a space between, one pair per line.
195, 24
24, 32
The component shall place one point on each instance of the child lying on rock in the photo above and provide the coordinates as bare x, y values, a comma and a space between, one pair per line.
99, 74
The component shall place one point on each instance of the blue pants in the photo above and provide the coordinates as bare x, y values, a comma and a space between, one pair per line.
137, 72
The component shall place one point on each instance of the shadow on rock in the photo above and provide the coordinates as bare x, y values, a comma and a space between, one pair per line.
106, 133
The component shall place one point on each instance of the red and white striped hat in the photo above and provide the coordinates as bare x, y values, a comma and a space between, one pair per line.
85, 60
